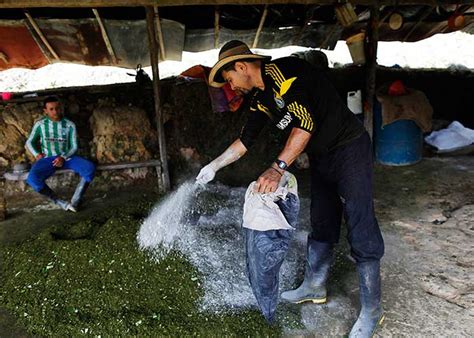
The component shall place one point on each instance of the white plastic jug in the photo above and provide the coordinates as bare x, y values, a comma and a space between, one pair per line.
354, 101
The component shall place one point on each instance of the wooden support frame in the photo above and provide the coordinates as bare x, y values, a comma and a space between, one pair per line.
260, 26
38, 42
386, 16
307, 21
371, 69
4, 57
415, 26
324, 43
162, 3
41, 35
216, 26
107, 42
162, 171
159, 33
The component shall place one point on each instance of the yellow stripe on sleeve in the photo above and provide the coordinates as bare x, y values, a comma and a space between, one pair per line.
302, 114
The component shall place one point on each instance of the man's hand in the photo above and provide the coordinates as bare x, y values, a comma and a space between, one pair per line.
58, 162
39, 156
268, 181
206, 174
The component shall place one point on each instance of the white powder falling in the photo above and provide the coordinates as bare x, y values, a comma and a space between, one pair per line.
164, 222
205, 225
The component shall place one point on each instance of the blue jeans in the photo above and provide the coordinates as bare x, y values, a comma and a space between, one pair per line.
43, 169
266, 251
341, 183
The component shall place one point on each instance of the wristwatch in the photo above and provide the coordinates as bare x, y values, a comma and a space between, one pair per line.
281, 164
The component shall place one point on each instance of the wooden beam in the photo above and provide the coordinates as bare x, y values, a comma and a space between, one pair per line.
129, 165
162, 171
161, 41
38, 42
41, 35
216, 27
10, 176
4, 57
105, 36
371, 68
324, 44
260, 26
386, 16
163, 3
307, 22
415, 26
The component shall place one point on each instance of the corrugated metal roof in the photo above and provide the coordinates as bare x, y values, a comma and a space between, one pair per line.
77, 38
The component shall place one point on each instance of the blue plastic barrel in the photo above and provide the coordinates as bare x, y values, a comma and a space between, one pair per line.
398, 143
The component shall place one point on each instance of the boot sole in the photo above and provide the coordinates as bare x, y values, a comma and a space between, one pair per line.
71, 208
313, 300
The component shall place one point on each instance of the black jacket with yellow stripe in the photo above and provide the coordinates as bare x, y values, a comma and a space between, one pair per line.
298, 95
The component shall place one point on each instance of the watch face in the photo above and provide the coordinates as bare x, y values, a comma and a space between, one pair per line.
281, 164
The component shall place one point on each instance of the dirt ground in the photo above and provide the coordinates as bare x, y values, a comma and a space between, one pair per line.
426, 212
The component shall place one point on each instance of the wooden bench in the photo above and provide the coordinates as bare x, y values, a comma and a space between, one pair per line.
10, 176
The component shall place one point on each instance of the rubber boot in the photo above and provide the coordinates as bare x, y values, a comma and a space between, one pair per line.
371, 314
46, 191
319, 258
77, 197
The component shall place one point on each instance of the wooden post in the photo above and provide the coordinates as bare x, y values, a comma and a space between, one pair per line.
105, 36
41, 35
159, 31
371, 69
3, 202
163, 173
260, 26
216, 27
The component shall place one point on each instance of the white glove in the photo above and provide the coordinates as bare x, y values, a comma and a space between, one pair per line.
206, 174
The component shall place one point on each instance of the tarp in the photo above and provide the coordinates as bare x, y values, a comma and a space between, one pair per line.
19, 47
76, 37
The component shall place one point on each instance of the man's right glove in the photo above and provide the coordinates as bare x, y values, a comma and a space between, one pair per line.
206, 174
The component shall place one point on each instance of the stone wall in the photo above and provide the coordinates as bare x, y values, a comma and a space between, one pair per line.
121, 134
116, 123
16, 122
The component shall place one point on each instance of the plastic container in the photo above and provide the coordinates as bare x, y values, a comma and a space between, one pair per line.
397, 144
355, 44
354, 101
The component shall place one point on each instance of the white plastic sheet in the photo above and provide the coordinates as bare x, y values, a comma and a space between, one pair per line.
455, 136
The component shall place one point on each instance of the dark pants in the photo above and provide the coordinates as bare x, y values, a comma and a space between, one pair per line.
43, 169
341, 182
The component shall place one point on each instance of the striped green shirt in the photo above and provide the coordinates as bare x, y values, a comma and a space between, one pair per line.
56, 138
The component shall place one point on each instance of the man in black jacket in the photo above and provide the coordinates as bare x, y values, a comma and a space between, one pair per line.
291, 94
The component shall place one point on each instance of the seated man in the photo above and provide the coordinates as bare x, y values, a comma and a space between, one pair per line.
58, 139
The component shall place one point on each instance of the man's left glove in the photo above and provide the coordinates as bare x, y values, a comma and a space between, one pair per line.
206, 174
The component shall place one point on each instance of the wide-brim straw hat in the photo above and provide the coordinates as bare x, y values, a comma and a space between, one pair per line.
232, 51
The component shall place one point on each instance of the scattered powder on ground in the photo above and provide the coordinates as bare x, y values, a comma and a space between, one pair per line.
205, 225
